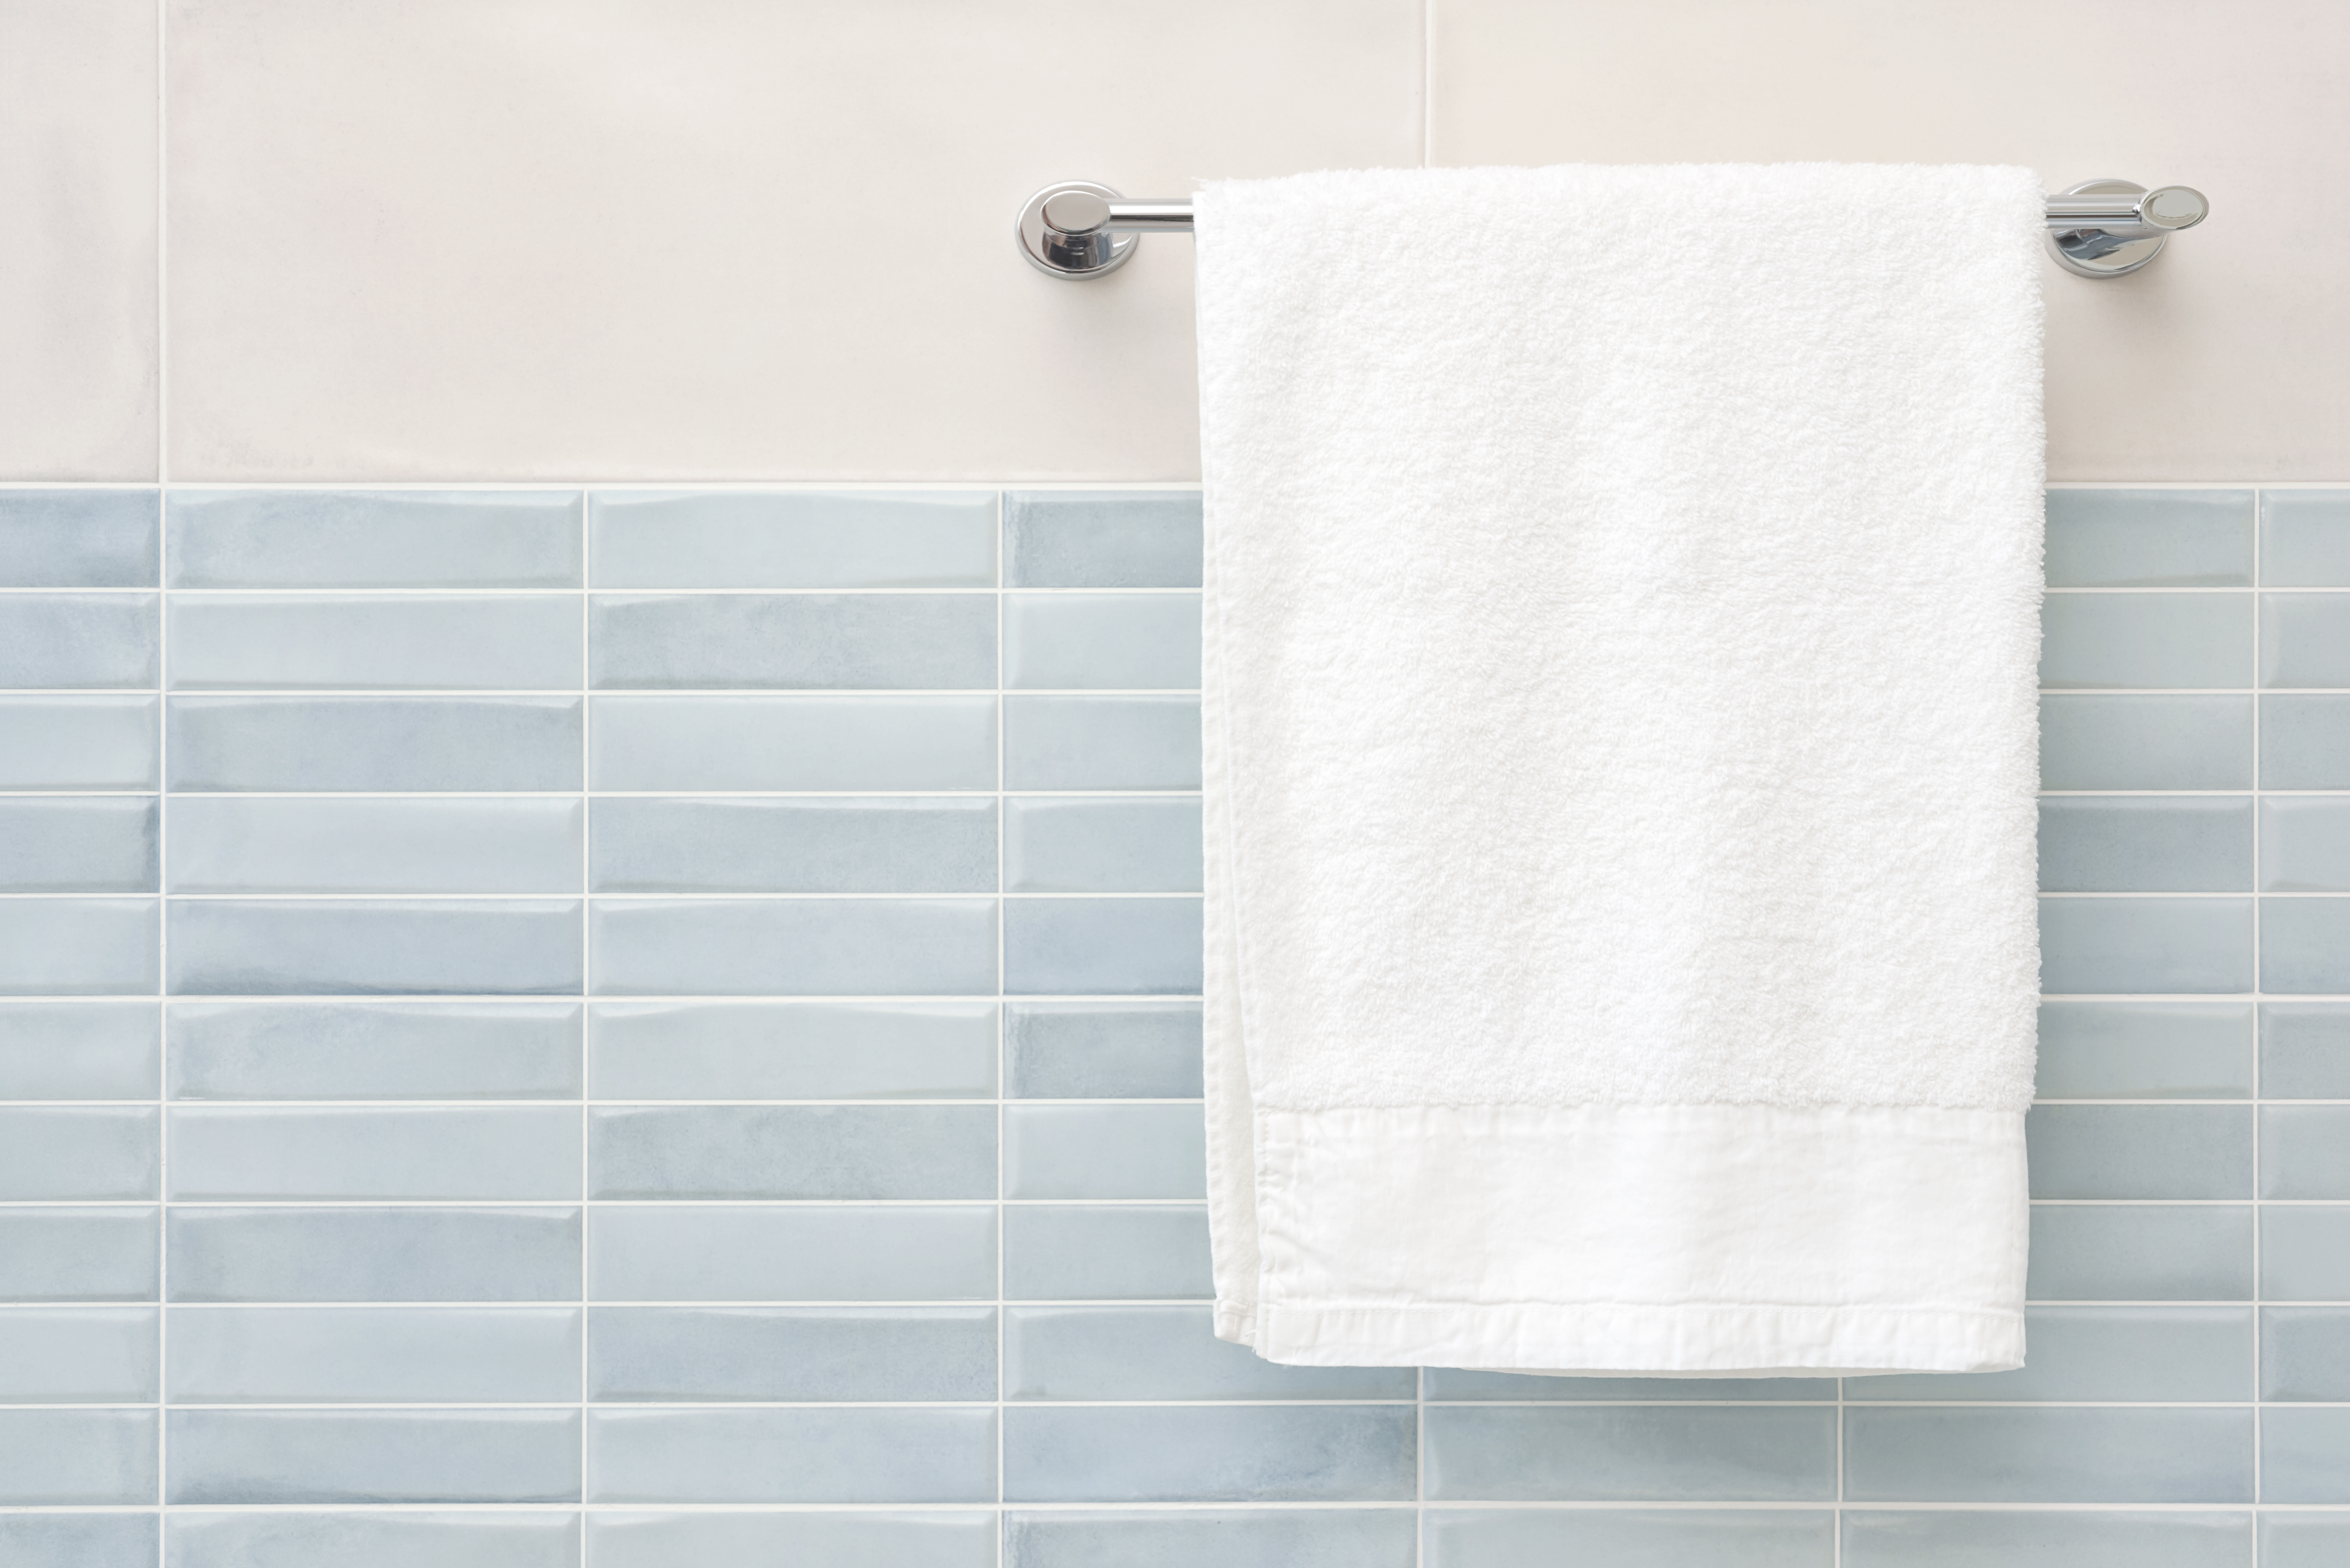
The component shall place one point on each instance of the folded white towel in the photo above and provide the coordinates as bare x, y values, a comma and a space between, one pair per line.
1622, 608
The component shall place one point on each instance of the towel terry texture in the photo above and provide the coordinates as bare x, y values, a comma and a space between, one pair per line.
1621, 621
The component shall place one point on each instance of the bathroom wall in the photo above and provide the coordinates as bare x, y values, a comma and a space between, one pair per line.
598, 856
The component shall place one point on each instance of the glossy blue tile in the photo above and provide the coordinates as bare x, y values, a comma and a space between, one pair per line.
2053, 1455
870, 1353
910, 641
78, 1539
2145, 1051
351, 1254
78, 1050
2305, 538
2305, 1151
1102, 539
79, 641
78, 1253
794, 947
2298, 1540
1230, 1453
794, 539
1182, 1538
1054, 845
77, 539
1101, 743
2108, 1252
229, 1153
792, 1455
870, 1152
2306, 1253
1101, 641
2146, 843
2145, 742
2304, 639
373, 1456
1631, 1453
52, 1152
344, 743
1106, 947
1693, 1538
2149, 538
2305, 1353
1105, 1253
2140, 1151
354, 947
2092, 640
225, 844
2305, 1455
2173, 945
310, 642
477, 1538
792, 1050
456, 1354
874, 844
2306, 945
815, 742
2120, 1355
53, 1456
1948, 1538
79, 947
374, 539
1451, 1383
78, 742
77, 843
2305, 1050
750, 1253
1104, 1151
77, 1355
375, 1050
1167, 1353
2305, 845
1102, 1050
2305, 743
930, 1539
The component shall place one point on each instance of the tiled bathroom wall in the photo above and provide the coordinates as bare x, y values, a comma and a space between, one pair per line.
663, 1025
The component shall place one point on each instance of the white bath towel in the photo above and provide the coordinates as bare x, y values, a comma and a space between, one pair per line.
1622, 608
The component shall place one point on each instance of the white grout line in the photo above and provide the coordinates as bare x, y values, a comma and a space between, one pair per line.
162, 753
2259, 1419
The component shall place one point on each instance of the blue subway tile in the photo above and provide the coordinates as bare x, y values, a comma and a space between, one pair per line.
1231, 1453
866, 1354
2306, 945
1101, 743
2142, 844
346, 744
373, 1456
2306, 1253
1664, 1538
2102, 1537
78, 947
1053, 845
794, 947
2174, 945
932, 1538
481, 643
1102, 539
2117, 1355
78, 1355
77, 843
2140, 1151
1105, 1253
79, 641
77, 539
1183, 1538
2146, 1051
78, 1152
79, 1541
374, 539
794, 539
2298, 1540
2304, 639
78, 1050
225, 844
2149, 538
786, 1456
2145, 742
1101, 641
2305, 538
727, 1252
2051, 1455
1102, 1050
352, 1254
2305, 1353
476, 1538
2305, 1050
2305, 743
2305, 1151
53, 1456
2305, 1454
78, 742
350, 947
837, 844
2106, 1252
2305, 845
1454, 1383
872, 1152
1104, 1151
2094, 640
231, 1153
1631, 1453
1111, 946
814, 743
375, 1050
915, 641
78, 1254
403, 1354
792, 1050
1164, 1353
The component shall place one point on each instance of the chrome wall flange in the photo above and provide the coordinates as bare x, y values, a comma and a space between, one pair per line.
2105, 228
1061, 231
